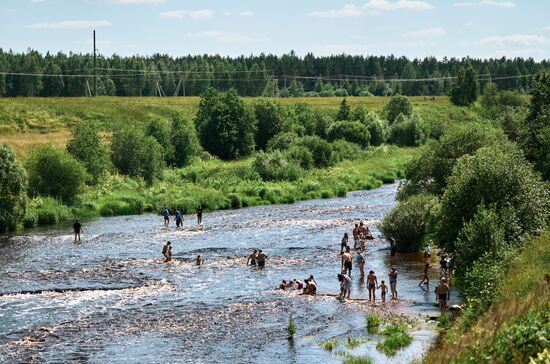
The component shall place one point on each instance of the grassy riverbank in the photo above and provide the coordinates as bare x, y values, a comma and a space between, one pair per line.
516, 329
222, 185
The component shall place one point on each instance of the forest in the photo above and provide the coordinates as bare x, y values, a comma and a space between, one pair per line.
288, 75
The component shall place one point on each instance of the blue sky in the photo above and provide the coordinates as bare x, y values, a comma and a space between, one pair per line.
414, 28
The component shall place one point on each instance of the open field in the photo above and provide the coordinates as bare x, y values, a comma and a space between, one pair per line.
25, 122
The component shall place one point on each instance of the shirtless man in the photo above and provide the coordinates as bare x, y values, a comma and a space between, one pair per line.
311, 287
443, 294
355, 236
346, 262
167, 251
261, 257
425, 277
372, 282
199, 260
77, 227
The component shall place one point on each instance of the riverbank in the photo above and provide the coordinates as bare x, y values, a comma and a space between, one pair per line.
218, 185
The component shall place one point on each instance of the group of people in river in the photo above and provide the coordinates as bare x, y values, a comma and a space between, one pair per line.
308, 286
167, 252
178, 217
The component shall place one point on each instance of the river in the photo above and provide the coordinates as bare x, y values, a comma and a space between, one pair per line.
126, 305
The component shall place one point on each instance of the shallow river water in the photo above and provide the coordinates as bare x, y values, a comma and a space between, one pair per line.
125, 305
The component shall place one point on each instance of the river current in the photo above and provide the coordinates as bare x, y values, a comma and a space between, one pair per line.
111, 299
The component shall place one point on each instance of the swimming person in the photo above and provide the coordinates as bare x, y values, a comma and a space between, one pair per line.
425, 276
344, 243
383, 291
178, 219
77, 227
443, 293
199, 260
311, 287
252, 258
299, 284
372, 282
167, 251
199, 215
312, 279
360, 261
261, 257
393, 282
166, 216
283, 285
345, 286
346, 262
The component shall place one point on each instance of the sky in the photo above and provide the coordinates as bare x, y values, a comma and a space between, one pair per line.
412, 28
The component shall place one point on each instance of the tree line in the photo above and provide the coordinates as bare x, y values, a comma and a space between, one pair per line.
71, 75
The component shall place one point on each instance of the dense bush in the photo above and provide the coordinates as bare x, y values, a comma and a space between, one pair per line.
271, 121
397, 105
352, 131
343, 150
273, 166
344, 112
46, 211
88, 147
408, 131
320, 149
429, 170
498, 177
225, 125
135, 155
492, 98
300, 155
56, 173
466, 89
185, 141
378, 129
13, 189
407, 221
160, 130
282, 141
318, 124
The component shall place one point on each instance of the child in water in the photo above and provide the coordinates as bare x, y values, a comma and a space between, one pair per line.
383, 289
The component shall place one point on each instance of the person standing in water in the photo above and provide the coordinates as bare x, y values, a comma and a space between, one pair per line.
383, 291
346, 262
393, 249
199, 260
345, 286
360, 261
344, 243
77, 227
166, 216
167, 251
393, 282
425, 276
199, 215
178, 218
355, 236
252, 258
443, 294
372, 282
261, 257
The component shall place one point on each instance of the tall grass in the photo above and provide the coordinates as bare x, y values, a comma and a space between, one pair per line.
397, 337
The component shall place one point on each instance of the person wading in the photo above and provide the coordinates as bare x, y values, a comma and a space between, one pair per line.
393, 282
199, 215
443, 293
77, 227
166, 216
167, 251
346, 262
261, 259
360, 261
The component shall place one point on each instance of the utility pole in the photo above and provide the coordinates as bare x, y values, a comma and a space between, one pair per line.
95, 69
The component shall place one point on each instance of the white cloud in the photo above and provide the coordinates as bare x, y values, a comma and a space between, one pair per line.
226, 37
187, 14
383, 5
427, 33
515, 39
129, 2
227, 13
372, 7
347, 10
469, 24
71, 24
546, 27
247, 13
500, 4
513, 53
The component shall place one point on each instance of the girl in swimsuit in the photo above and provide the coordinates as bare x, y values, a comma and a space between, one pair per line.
252, 258
372, 282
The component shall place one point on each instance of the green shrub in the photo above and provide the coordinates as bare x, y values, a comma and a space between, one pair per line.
54, 172
291, 328
299, 155
160, 130
274, 166
407, 221
340, 190
481, 282
88, 147
330, 344
344, 112
234, 201
47, 211
408, 131
185, 141
320, 149
374, 321
343, 150
355, 342
13, 190
397, 105
282, 141
352, 131
352, 359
